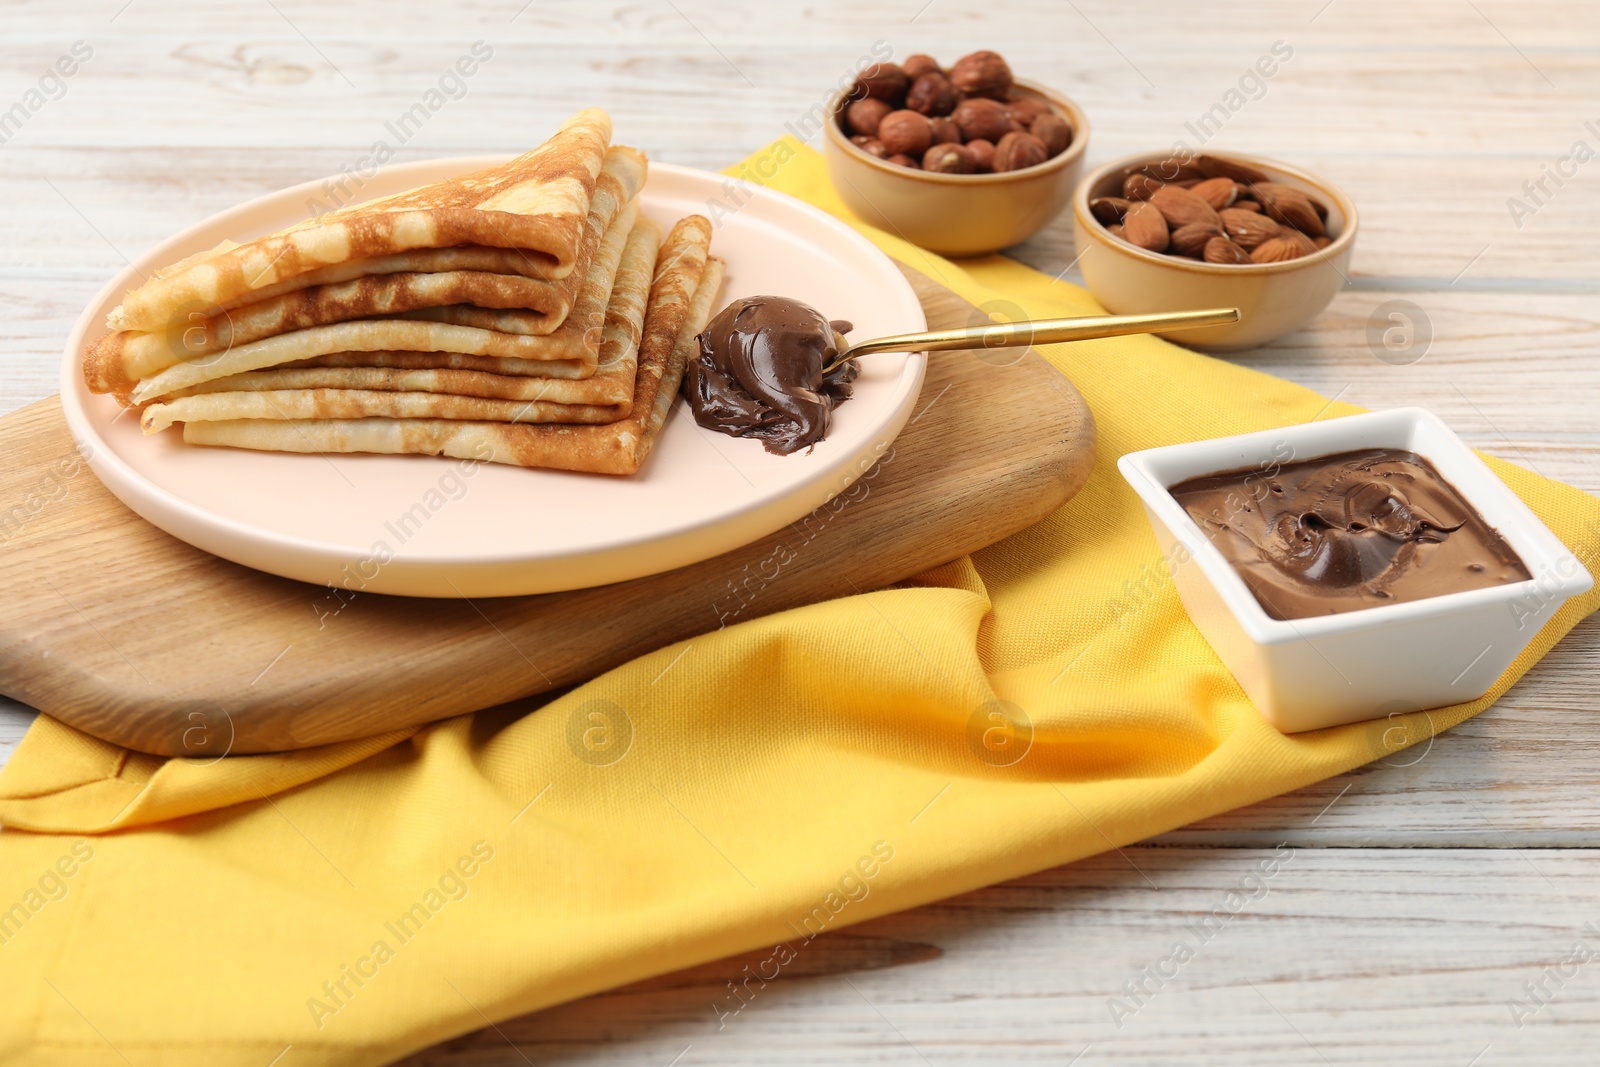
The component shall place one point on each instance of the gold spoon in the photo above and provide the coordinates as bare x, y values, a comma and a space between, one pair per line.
1036, 332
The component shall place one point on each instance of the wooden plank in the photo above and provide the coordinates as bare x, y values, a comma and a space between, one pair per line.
1536, 25
88, 207
262, 83
1341, 956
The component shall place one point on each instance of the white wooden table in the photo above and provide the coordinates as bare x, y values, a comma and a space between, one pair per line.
1421, 895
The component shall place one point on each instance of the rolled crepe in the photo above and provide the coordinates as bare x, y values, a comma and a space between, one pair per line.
364, 392
118, 361
536, 203
681, 302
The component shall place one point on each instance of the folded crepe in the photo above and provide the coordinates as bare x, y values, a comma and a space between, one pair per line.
536, 204
577, 341
366, 392
417, 261
117, 362
507, 365
681, 300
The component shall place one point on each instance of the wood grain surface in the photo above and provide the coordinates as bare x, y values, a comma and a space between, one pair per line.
289, 665
1427, 889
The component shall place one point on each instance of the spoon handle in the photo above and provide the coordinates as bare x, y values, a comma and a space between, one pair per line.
1039, 332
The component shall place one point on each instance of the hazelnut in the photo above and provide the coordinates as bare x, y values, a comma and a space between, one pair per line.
1053, 130
904, 160
981, 118
932, 94
882, 81
905, 133
982, 153
948, 159
1019, 150
863, 116
1026, 108
870, 145
982, 74
944, 131
918, 65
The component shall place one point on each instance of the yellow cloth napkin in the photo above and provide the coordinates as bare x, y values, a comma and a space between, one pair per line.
749, 788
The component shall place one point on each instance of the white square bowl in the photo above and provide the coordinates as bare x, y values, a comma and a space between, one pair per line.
1306, 674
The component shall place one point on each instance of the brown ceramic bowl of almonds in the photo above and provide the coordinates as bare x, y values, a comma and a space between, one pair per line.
1158, 233
979, 193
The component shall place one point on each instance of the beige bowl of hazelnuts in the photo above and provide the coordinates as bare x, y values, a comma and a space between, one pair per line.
1180, 232
963, 161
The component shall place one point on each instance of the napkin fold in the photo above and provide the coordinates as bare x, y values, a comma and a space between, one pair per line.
1041, 701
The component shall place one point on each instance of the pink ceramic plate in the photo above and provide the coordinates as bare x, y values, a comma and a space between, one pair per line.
420, 526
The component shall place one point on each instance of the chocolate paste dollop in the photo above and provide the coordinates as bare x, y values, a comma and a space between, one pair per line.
759, 373
1348, 531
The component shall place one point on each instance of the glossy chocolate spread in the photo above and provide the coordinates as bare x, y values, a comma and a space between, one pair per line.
759, 373
1348, 531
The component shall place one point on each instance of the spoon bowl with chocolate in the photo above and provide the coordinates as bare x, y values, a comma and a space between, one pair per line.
1353, 568
773, 369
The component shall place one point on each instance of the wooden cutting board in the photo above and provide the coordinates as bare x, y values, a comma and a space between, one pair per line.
124, 632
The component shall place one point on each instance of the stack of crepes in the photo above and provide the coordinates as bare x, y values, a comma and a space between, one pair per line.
525, 314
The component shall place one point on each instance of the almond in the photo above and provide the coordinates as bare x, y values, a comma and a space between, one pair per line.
1191, 240
1222, 250
1275, 250
1322, 242
1172, 171
1139, 186
1290, 206
1301, 242
1218, 192
1218, 167
1109, 209
1247, 229
1115, 230
1247, 205
1181, 207
1146, 227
